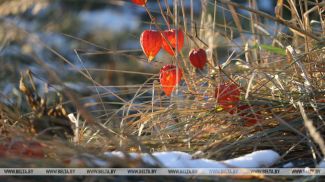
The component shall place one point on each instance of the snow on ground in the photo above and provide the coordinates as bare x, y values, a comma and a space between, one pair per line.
176, 159
322, 164
288, 165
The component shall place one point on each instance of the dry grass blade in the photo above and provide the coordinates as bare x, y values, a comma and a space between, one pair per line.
274, 19
312, 130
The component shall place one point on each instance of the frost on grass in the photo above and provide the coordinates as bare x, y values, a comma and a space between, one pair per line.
176, 159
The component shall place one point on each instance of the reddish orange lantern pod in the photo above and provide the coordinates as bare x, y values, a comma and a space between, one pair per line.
228, 96
169, 78
139, 2
198, 58
150, 41
250, 119
170, 35
30, 149
321, 100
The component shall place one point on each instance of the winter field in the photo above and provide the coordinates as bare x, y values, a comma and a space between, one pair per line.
183, 84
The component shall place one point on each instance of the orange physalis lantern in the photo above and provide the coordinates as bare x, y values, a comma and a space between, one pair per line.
169, 78
170, 35
198, 58
139, 2
250, 119
228, 96
150, 41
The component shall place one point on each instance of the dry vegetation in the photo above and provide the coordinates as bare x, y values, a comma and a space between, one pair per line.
281, 77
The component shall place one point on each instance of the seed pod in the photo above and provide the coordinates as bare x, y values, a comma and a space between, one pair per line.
228, 96
170, 35
139, 2
169, 78
249, 118
198, 58
150, 41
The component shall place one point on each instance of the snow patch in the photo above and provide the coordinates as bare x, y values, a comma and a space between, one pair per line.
322, 164
115, 154
262, 158
177, 159
288, 165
